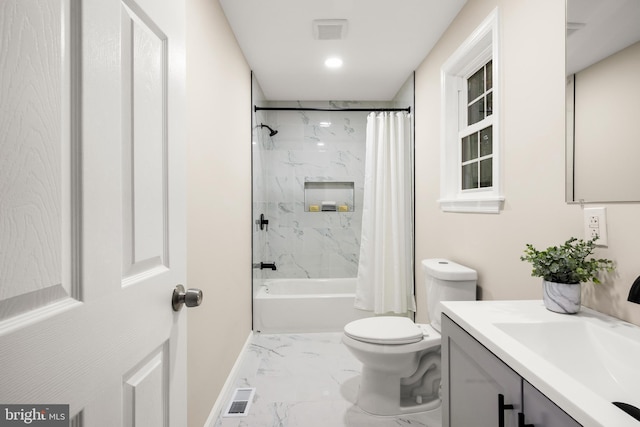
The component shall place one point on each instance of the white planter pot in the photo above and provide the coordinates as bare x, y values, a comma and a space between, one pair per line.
561, 297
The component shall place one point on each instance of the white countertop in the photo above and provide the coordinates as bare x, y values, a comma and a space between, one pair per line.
481, 319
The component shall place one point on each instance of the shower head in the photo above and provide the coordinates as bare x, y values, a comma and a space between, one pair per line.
271, 131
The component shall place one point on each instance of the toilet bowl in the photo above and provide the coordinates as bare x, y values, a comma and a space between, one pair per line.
395, 354
401, 359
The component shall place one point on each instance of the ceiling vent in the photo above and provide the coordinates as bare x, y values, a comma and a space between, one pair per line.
329, 29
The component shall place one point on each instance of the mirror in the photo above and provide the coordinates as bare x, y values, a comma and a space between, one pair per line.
603, 100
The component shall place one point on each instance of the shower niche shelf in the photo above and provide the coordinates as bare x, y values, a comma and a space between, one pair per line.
328, 196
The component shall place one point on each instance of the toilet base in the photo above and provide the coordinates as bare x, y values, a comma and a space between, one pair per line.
379, 394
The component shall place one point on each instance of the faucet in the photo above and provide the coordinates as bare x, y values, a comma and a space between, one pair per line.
634, 293
263, 265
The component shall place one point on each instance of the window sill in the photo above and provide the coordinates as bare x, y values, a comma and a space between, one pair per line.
491, 205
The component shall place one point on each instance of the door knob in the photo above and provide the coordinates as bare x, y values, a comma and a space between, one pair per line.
190, 298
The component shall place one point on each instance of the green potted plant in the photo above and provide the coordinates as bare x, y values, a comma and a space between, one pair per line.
563, 268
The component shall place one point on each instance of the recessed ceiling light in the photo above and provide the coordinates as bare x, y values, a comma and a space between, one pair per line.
325, 124
333, 62
320, 144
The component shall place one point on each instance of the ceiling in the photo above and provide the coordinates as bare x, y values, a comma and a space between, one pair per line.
385, 41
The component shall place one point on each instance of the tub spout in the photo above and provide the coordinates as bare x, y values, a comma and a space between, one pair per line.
263, 265
634, 293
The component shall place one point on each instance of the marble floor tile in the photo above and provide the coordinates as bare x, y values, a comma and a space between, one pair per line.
307, 380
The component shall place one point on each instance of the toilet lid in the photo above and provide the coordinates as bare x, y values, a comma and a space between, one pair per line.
384, 330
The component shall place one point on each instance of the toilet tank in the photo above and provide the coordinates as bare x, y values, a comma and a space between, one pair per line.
447, 281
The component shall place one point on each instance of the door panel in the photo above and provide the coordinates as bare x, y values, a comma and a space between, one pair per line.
542, 412
473, 380
92, 208
144, 154
34, 219
146, 393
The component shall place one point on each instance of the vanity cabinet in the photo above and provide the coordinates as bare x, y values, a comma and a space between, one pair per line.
478, 389
541, 412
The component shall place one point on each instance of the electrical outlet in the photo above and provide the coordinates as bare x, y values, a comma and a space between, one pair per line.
595, 224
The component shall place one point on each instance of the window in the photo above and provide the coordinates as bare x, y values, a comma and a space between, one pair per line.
476, 138
470, 143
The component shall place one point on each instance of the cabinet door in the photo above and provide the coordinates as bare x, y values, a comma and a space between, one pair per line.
473, 381
542, 412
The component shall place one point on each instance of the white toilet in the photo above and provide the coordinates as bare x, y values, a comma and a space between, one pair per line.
400, 359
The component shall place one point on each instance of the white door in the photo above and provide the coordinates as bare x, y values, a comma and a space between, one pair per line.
92, 210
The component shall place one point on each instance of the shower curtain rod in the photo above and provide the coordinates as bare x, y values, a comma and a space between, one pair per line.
256, 108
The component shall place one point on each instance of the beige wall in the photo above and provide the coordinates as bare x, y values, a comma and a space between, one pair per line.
219, 202
532, 132
606, 132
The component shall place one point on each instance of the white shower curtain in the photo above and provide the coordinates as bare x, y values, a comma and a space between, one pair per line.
385, 270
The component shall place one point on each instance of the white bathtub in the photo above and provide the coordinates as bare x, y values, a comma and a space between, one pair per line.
305, 305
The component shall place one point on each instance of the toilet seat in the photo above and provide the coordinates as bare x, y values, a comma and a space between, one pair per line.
384, 330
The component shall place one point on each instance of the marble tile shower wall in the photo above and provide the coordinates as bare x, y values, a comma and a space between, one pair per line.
311, 244
259, 138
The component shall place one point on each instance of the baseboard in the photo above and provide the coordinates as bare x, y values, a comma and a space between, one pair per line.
228, 384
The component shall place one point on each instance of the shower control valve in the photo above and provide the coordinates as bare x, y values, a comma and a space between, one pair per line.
263, 223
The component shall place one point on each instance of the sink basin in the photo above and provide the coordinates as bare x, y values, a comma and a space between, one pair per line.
603, 357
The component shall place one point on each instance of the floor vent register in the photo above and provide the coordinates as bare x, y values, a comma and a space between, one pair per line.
240, 402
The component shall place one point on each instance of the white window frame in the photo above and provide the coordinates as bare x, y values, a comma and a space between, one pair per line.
481, 46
